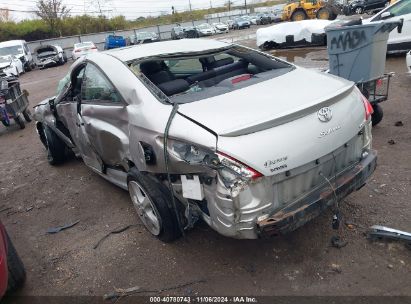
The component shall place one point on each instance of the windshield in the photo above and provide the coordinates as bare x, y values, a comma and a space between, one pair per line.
183, 79
11, 50
203, 26
144, 35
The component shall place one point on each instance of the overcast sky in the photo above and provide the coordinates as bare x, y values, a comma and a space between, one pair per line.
131, 9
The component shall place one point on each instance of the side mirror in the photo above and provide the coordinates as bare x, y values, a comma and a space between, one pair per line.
385, 15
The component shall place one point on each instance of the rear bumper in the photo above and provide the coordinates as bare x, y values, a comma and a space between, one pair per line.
304, 210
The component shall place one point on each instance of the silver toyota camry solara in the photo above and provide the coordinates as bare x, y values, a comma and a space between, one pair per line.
201, 129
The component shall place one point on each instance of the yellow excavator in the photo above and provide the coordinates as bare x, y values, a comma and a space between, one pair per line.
309, 9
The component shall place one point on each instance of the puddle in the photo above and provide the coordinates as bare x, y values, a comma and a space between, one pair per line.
312, 57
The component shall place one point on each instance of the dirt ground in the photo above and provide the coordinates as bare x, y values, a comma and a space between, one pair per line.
35, 196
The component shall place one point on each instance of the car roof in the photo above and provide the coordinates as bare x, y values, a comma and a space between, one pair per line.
166, 47
11, 43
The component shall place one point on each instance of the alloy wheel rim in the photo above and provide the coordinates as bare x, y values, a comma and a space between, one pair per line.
144, 207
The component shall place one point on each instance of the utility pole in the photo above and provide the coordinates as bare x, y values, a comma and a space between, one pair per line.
189, 3
245, 6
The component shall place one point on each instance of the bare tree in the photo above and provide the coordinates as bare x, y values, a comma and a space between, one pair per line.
52, 12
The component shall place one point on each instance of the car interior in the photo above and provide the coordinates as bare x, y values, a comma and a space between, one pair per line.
229, 69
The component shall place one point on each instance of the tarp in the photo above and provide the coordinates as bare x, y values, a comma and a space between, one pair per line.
299, 29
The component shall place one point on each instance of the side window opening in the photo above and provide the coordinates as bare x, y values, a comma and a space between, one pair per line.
96, 87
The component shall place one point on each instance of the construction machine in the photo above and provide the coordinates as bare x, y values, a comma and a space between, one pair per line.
297, 10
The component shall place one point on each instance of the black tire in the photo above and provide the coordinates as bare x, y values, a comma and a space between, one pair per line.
28, 68
161, 198
5, 123
27, 115
378, 114
56, 148
17, 273
20, 121
61, 61
298, 16
324, 14
358, 10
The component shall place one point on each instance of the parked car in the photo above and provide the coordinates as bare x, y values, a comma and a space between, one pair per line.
83, 48
12, 272
230, 24
241, 23
274, 18
145, 37
220, 27
363, 6
177, 32
397, 42
205, 29
19, 49
249, 165
251, 18
114, 41
408, 61
50, 55
263, 19
11, 65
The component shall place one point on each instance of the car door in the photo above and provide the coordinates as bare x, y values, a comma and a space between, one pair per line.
103, 117
400, 10
68, 113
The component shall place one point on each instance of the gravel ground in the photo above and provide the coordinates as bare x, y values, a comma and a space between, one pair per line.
40, 196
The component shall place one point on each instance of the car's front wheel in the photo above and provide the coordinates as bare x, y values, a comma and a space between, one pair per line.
151, 201
377, 115
56, 148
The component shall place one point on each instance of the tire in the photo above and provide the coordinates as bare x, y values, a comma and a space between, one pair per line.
298, 16
5, 123
359, 10
61, 61
20, 121
323, 13
157, 216
17, 273
56, 148
27, 115
378, 114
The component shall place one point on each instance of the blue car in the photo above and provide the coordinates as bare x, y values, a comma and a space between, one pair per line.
113, 42
241, 23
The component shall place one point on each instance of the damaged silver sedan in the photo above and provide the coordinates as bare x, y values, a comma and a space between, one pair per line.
200, 129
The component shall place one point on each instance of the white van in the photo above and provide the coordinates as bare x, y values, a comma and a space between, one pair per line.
19, 49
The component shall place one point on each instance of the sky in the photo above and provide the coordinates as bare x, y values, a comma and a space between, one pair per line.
131, 9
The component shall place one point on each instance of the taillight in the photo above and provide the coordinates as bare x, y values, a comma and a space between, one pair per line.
368, 107
238, 167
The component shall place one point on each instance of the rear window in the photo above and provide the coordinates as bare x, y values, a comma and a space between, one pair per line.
183, 79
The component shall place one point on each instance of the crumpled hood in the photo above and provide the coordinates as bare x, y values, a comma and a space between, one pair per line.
266, 104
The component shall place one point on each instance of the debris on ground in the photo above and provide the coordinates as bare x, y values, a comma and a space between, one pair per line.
399, 124
121, 293
391, 142
382, 232
53, 230
390, 266
5, 209
336, 268
115, 231
337, 242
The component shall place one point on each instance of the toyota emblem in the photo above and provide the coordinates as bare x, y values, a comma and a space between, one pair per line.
325, 114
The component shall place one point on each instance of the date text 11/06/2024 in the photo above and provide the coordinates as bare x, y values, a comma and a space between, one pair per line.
202, 299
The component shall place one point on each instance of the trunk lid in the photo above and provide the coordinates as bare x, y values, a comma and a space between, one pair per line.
273, 126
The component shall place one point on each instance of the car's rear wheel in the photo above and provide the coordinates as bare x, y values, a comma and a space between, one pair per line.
17, 273
151, 201
377, 115
56, 148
